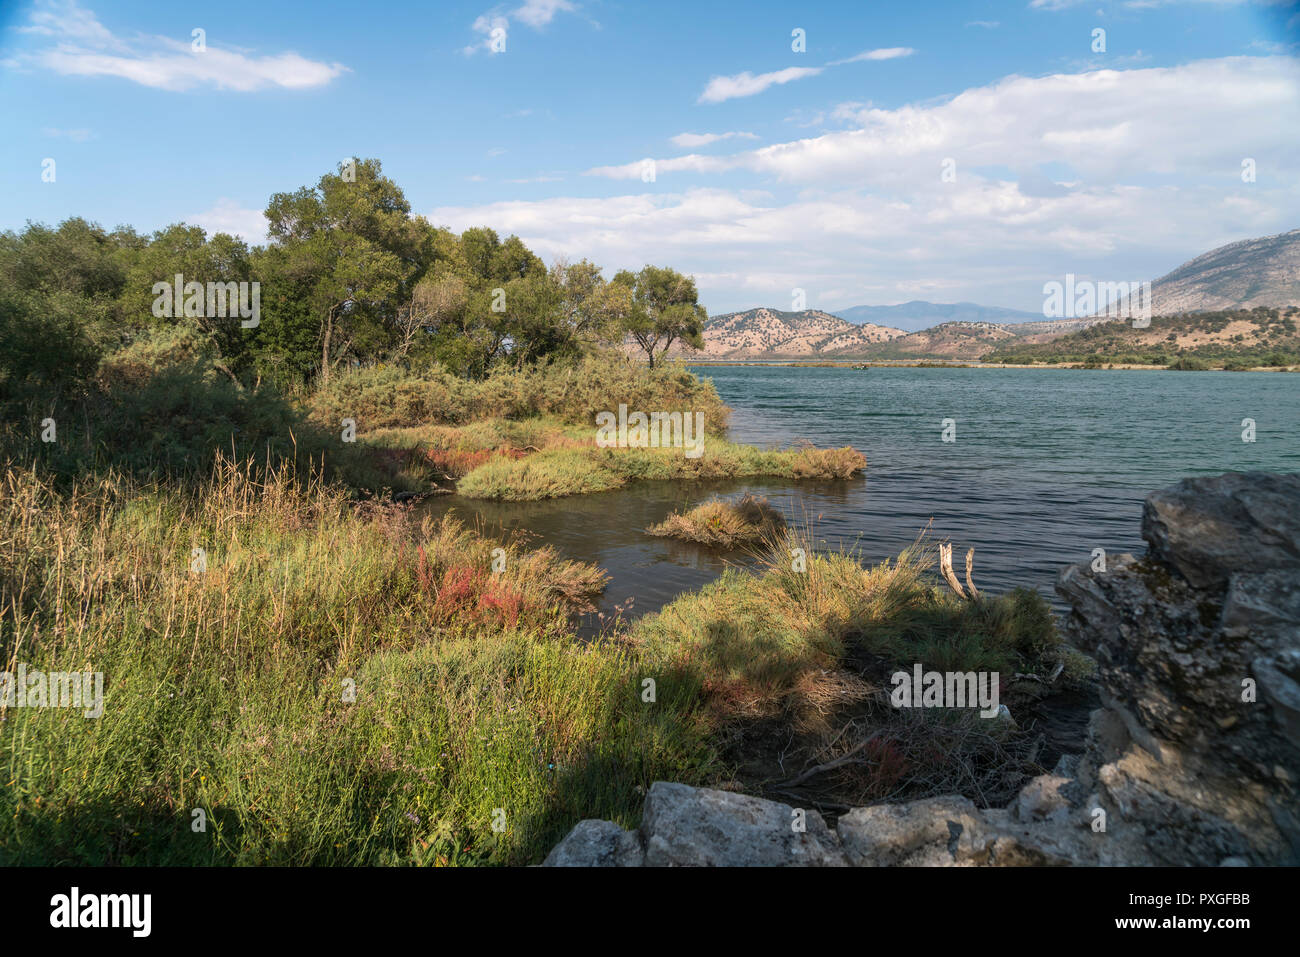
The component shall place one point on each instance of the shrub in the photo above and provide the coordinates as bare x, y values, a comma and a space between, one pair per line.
724, 524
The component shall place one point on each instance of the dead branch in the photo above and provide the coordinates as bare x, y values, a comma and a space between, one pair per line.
945, 568
970, 567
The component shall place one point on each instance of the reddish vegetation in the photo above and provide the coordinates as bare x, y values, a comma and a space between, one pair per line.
470, 594
456, 463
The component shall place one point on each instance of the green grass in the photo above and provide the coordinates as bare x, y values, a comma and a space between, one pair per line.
722, 524
553, 473
225, 691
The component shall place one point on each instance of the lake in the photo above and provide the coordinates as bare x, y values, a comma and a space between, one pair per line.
1045, 466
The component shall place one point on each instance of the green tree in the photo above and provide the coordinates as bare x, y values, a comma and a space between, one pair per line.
350, 245
664, 309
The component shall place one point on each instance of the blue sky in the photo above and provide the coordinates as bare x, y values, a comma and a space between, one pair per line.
1114, 165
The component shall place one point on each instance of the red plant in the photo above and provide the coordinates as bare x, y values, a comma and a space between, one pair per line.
457, 463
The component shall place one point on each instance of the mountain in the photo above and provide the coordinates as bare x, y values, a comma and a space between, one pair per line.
1241, 275
917, 315
812, 334
762, 333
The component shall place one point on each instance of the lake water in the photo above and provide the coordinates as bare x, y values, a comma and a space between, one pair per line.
1047, 464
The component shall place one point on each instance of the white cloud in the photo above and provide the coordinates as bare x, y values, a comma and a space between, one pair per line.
495, 23
1154, 157
493, 28
227, 216
885, 53
722, 88
85, 47
538, 13
77, 136
692, 140
987, 24
67, 21
978, 240
1108, 124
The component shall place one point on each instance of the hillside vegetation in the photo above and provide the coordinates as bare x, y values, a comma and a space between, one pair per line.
1235, 339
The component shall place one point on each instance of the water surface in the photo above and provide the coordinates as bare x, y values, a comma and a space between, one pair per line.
1047, 465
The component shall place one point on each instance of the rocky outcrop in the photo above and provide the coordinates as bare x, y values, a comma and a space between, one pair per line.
1192, 760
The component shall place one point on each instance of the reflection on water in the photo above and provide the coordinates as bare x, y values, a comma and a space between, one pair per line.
609, 530
1047, 466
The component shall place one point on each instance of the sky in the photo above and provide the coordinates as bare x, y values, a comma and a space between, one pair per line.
830, 154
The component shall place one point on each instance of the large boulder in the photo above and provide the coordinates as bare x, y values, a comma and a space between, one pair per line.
1214, 527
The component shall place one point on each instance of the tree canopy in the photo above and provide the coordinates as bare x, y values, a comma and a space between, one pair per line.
349, 277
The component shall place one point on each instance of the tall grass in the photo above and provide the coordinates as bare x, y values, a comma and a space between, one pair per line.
392, 397
723, 524
581, 470
345, 685
224, 691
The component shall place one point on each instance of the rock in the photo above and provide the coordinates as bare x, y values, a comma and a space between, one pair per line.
1182, 765
1210, 528
595, 843
1043, 799
1279, 682
936, 831
686, 826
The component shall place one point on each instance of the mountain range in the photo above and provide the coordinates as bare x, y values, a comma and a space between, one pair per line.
1240, 275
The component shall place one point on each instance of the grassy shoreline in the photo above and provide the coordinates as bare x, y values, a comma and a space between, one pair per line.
227, 690
322, 678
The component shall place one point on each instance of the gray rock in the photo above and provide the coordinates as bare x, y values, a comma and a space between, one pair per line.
1043, 799
1279, 683
700, 827
1208, 528
937, 831
594, 843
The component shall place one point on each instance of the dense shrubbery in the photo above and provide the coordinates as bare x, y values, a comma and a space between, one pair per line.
392, 397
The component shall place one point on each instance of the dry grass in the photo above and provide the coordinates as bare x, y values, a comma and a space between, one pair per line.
722, 524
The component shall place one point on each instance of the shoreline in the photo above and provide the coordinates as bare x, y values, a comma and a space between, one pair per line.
864, 364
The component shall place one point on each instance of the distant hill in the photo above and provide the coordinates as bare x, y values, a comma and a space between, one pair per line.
1236, 277
812, 334
762, 333
1235, 338
1241, 275
917, 315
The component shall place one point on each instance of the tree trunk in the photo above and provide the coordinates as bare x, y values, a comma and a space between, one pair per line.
325, 349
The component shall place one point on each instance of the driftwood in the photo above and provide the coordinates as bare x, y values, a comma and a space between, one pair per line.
945, 568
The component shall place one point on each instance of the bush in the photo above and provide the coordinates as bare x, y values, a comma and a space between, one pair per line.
724, 524
391, 397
